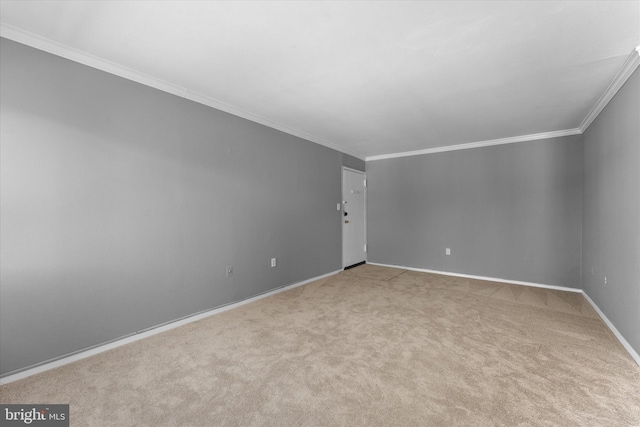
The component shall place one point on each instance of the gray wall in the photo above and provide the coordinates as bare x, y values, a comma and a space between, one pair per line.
353, 162
509, 211
611, 224
121, 205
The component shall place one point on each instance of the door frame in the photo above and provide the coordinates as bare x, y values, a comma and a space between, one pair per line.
364, 176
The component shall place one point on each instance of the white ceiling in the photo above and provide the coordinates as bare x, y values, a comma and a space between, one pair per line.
368, 78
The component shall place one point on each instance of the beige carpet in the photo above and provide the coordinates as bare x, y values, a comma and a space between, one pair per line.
367, 347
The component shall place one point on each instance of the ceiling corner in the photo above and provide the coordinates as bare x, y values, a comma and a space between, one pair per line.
630, 65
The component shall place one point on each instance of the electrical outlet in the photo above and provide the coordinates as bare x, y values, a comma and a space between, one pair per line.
605, 280
229, 270
447, 251
273, 262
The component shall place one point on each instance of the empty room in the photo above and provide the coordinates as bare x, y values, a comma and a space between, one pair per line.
319, 213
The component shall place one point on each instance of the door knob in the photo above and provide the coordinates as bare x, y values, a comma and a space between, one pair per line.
346, 221
345, 214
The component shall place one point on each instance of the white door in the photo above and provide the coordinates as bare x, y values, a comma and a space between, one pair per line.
354, 236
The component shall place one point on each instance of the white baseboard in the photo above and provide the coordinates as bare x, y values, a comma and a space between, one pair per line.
632, 352
82, 354
492, 279
64, 360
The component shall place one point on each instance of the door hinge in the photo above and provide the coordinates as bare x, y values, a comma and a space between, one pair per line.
365, 248
365, 182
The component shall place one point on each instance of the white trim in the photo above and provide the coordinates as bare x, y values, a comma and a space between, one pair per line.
219, 105
65, 360
364, 174
488, 143
634, 355
64, 51
28, 38
83, 354
59, 49
630, 65
354, 170
632, 352
492, 279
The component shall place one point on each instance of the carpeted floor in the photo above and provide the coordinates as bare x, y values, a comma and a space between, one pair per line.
371, 346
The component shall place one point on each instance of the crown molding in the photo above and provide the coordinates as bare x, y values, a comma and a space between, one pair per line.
30, 39
630, 65
488, 143
219, 105
59, 49
76, 55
